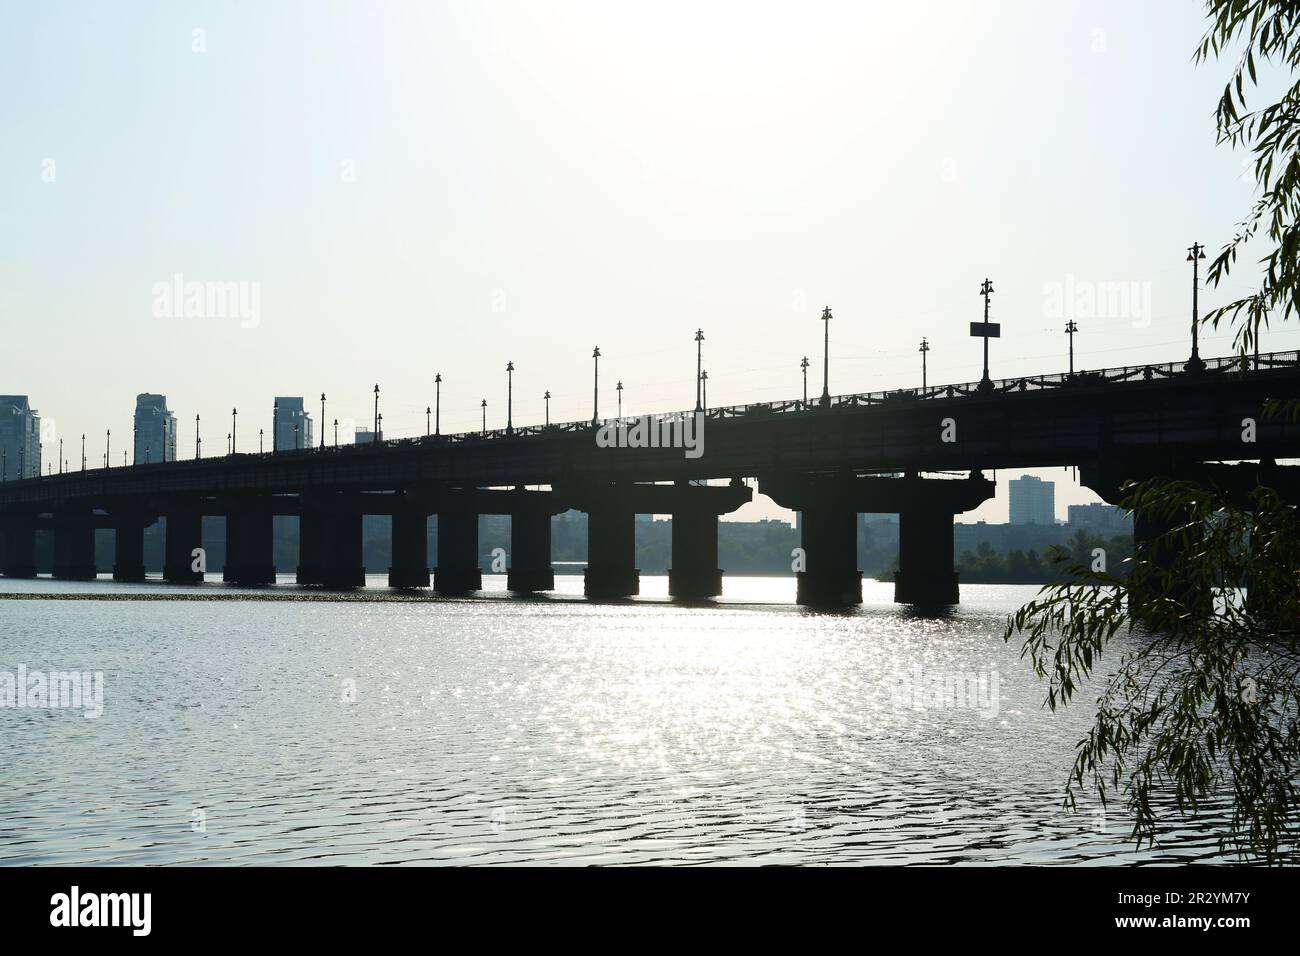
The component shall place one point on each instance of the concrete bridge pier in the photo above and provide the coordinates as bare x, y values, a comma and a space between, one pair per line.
925, 574
18, 547
250, 546
611, 552
695, 573
329, 543
74, 544
829, 540
530, 549
410, 567
184, 536
457, 571
128, 547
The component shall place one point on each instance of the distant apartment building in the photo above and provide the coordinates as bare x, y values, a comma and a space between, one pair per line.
364, 436
155, 429
293, 424
1033, 501
1099, 517
20, 438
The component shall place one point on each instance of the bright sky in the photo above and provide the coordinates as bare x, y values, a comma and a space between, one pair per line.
444, 187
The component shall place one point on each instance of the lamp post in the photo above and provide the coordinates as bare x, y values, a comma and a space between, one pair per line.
380, 421
804, 365
1070, 328
322, 421
595, 385
437, 404
275, 427
925, 347
699, 366
547, 397
108, 446
234, 429
83, 451
704, 383
336, 433
510, 397
986, 330
484, 406
1194, 255
198, 442
259, 440
619, 388
826, 358
296, 443
60, 456
427, 412
376, 438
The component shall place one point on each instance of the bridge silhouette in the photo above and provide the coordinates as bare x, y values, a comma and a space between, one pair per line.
897, 451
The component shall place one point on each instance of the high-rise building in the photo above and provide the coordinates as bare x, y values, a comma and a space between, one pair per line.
1033, 501
155, 429
289, 412
20, 438
1099, 516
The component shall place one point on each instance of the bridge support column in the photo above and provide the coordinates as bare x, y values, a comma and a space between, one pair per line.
611, 552
457, 571
694, 572
410, 567
128, 549
329, 545
18, 548
250, 546
830, 549
74, 545
530, 551
925, 574
184, 537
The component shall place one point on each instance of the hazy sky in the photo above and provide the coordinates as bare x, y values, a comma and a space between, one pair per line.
425, 187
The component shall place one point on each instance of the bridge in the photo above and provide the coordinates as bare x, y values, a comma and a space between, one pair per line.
893, 451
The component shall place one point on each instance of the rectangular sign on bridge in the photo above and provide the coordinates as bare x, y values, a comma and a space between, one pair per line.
987, 330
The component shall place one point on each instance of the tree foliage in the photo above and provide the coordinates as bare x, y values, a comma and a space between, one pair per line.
1204, 700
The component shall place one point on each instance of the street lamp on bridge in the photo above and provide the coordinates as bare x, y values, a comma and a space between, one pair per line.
259, 440
986, 330
234, 429
547, 397
437, 404
322, 421
427, 412
510, 397
275, 426
925, 347
198, 441
108, 443
595, 387
826, 358
1070, 328
704, 385
376, 437
1194, 255
699, 366
803, 364
484, 406
83, 451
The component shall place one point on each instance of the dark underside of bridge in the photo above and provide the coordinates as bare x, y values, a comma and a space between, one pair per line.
857, 454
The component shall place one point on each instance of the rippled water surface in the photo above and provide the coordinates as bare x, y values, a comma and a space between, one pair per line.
495, 730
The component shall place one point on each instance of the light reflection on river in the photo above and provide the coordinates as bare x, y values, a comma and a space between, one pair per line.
549, 730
